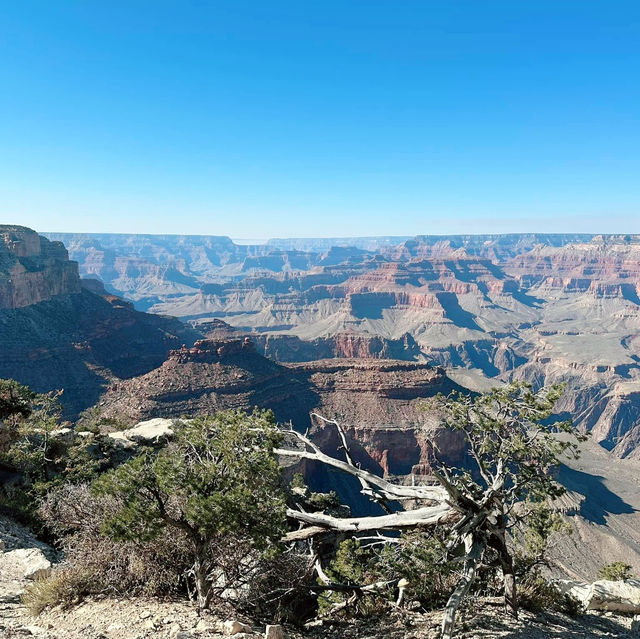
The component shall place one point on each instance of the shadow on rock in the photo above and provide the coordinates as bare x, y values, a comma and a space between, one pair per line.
599, 501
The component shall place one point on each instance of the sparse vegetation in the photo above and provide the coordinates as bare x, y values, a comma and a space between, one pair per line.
537, 594
512, 446
216, 487
49, 592
204, 515
44, 452
16, 400
616, 571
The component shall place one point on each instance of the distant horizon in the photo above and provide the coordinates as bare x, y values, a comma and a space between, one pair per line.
399, 236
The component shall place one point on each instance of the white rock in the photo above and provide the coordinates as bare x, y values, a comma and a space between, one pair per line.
577, 589
174, 629
33, 561
203, 626
234, 627
120, 440
65, 435
274, 632
151, 431
614, 596
618, 596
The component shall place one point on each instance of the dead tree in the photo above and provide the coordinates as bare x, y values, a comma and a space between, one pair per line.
512, 448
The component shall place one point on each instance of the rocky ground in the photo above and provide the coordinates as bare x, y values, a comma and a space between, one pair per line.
109, 618
141, 619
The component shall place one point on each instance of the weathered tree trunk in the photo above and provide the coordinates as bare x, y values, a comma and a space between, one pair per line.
499, 542
203, 587
510, 593
319, 522
474, 549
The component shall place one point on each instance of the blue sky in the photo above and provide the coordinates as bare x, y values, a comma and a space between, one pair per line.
304, 118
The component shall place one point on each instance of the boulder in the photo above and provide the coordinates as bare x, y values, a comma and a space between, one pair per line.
151, 431
577, 589
121, 441
65, 435
235, 627
615, 596
203, 626
33, 562
274, 632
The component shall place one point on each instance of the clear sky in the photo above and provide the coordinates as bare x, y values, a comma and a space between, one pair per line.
320, 118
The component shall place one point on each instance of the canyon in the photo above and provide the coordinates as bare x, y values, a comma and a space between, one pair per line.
363, 334
543, 308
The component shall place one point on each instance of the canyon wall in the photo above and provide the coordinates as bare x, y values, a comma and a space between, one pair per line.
33, 269
56, 333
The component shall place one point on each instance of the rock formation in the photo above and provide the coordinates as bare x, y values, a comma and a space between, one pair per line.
378, 401
539, 307
57, 334
33, 269
619, 596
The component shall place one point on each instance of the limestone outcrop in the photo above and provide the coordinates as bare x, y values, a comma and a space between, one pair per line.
616, 596
32, 561
150, 432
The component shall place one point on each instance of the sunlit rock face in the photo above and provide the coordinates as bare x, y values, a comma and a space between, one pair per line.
33, 269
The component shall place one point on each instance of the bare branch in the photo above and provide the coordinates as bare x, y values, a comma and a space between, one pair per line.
386, 488
321, 523
367, 487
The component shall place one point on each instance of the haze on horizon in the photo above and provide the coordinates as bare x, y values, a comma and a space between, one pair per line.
321, 119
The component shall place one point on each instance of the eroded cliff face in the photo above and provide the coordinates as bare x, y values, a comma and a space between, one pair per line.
57, 334
33, 269
379, 402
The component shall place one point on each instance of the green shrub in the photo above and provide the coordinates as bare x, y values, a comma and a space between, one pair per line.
324, 501
536, 594
615, 571
416, 556
216, 487
297, 481
421, 559
44, 459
